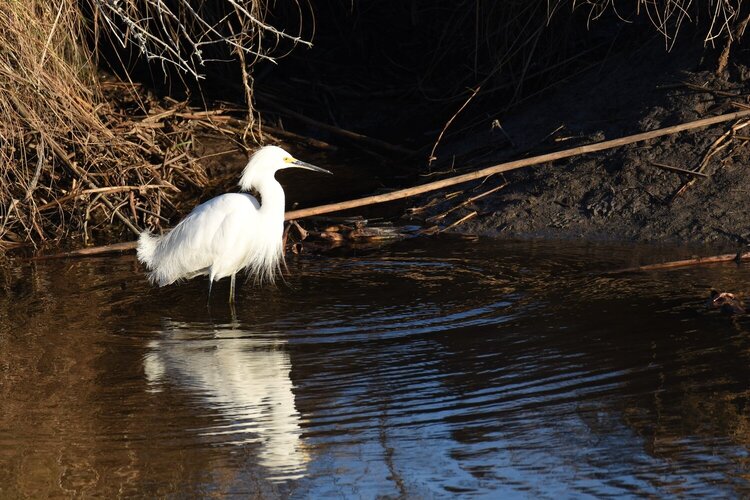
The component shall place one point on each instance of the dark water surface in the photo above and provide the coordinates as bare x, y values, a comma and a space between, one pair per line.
425, 369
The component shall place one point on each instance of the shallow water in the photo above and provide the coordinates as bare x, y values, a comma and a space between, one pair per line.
423, 369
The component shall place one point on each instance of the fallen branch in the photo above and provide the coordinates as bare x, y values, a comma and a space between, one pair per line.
92, 251
729, 257
513, 165
463, 219
719, 144
440, 216
315, 143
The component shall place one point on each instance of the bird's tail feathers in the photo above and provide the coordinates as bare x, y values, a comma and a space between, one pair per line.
146, 247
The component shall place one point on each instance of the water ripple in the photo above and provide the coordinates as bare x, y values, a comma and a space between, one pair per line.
430, 369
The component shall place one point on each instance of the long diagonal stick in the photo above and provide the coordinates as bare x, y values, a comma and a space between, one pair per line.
513, 165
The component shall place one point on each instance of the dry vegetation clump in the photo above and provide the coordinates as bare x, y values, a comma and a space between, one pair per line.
516, 41
55, 139
81, 157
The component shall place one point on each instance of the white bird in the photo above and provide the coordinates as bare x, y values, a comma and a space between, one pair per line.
229, 233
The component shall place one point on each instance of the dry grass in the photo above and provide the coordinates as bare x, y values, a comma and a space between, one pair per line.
80, 157
54, 140
69, 166
443, 51
668, 16
513, 50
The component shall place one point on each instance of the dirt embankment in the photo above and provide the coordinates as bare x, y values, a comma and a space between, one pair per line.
621, 194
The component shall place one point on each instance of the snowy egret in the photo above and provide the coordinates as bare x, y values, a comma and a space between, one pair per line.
228, 233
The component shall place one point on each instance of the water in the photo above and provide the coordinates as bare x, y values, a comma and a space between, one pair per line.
425, 369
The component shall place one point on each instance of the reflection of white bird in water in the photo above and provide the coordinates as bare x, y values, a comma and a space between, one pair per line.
245, 380
228, 233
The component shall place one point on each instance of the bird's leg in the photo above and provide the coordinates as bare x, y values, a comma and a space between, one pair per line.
231, 290
210, 284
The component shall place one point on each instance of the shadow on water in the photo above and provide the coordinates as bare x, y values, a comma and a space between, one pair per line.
427, 368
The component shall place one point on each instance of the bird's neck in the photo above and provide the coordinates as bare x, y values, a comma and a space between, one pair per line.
271, 197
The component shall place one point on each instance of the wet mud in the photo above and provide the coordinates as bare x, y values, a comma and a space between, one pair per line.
620, 194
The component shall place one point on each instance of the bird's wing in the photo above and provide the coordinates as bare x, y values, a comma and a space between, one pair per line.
194, 245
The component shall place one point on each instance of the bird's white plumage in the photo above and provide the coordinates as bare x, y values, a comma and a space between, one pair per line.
228, 233
218, 238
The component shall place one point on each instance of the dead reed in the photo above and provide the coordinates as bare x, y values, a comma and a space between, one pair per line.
82, 157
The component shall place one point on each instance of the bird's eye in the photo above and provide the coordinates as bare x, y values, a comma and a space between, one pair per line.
288, 159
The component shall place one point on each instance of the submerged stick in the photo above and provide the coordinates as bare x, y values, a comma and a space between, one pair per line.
729, 257
513, 165
92, 251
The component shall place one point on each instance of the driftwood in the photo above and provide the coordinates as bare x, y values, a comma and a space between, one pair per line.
92, 251
729, 257
513, 165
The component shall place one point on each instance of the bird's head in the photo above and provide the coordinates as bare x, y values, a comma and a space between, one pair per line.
266, 161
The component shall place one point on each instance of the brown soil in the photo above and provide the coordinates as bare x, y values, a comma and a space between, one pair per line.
619, 194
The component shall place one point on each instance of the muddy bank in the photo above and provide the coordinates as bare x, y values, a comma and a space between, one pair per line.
618, 194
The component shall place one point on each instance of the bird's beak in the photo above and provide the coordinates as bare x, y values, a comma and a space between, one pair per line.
307, 166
